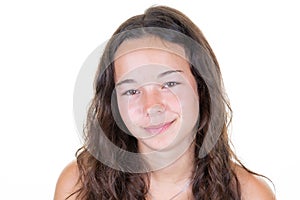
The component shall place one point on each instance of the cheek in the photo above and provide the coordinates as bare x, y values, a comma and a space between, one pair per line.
190, 105
134, 110
125, 111
130, 111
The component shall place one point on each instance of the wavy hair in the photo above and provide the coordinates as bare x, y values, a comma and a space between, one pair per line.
214, 176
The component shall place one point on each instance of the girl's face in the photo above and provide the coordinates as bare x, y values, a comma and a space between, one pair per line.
156, 93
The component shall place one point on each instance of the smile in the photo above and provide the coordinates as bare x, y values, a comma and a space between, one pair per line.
158, 129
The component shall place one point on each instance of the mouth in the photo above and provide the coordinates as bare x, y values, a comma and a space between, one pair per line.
158, 129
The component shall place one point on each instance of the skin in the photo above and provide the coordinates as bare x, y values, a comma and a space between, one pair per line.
156, 92
253, 187
162, 116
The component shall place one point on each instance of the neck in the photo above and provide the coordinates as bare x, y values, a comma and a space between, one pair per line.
179, 171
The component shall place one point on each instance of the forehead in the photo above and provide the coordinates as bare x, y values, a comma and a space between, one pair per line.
148, 51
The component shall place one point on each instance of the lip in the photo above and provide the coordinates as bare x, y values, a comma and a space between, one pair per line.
158, 129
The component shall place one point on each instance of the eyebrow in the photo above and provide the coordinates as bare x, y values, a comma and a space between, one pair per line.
169, 72
128, 81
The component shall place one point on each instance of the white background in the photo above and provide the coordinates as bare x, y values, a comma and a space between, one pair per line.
44, 43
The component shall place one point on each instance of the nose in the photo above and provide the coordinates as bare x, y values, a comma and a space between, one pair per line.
155, 109
153, 101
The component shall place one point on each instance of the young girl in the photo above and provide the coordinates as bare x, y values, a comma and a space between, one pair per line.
157, 126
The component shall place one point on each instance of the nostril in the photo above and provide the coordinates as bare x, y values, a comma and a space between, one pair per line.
155, 109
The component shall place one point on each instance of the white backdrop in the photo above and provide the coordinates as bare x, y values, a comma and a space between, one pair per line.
43, 45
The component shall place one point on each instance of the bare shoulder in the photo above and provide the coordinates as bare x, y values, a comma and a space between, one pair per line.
67, 182
252, 186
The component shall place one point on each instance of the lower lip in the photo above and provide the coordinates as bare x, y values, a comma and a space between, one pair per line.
159, 130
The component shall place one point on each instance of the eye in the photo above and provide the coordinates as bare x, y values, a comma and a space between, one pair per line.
170, 84
131, 92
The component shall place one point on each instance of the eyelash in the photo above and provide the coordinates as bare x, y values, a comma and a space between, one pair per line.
170, 84
131, 92
164, 86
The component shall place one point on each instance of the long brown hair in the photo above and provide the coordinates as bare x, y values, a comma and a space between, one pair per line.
214, 175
